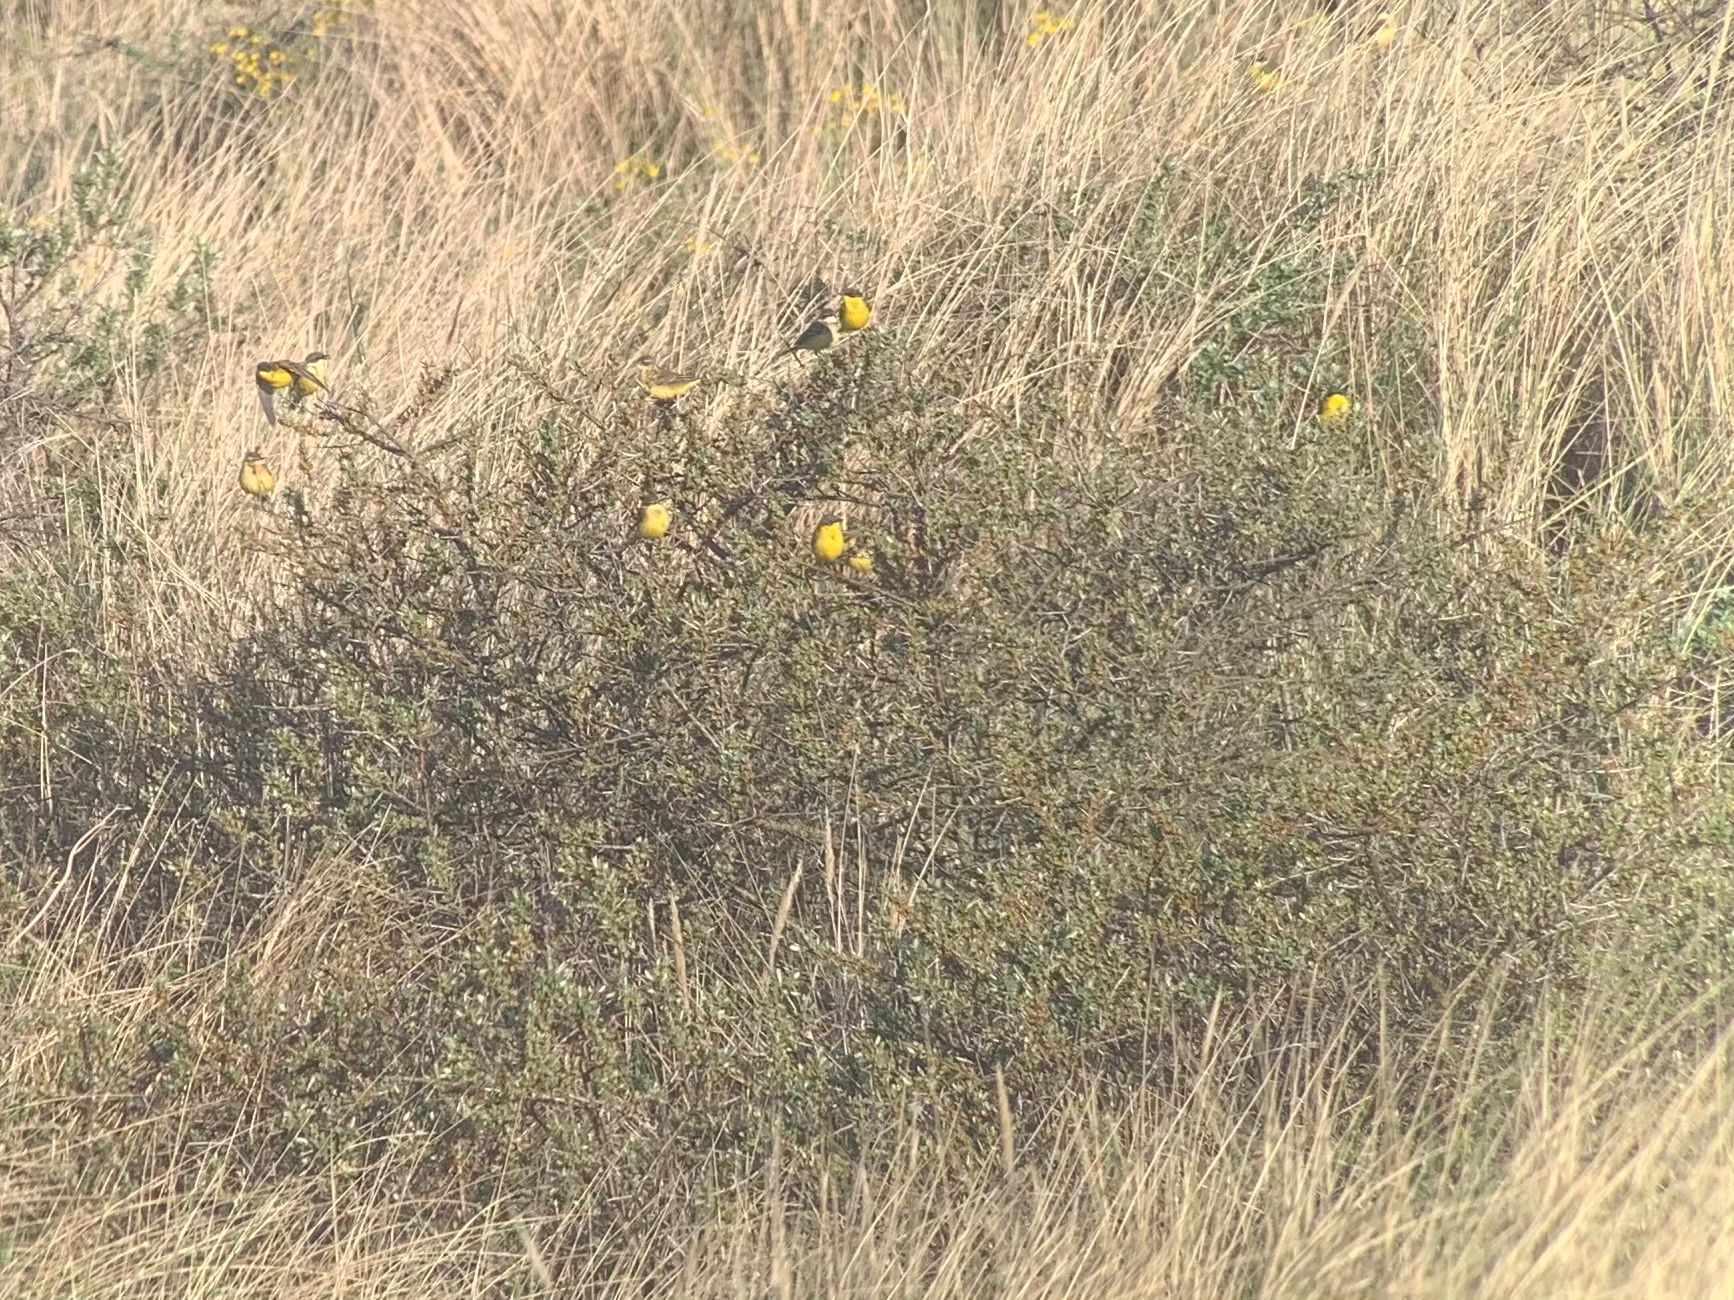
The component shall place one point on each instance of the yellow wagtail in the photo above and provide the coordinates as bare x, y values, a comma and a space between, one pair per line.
853, 311
1335, 408
861, 562
663, 385
852, 314
654, 520
828, 540
1265, 78
300, 377
257, 480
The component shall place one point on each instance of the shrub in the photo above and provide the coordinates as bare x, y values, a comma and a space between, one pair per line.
675, 849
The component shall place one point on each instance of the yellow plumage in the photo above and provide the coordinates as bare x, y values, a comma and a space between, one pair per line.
853, 313
828, 540
861, 562
273, 377
257, 480
1265, 78
1335, 408
312, 378
661, 384
654, 521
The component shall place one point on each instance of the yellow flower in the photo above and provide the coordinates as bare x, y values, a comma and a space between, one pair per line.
1044, 23
852, 109
861, 562
629, 170
732, 154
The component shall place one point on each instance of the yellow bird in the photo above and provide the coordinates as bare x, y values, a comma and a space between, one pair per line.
1335, 408
861, 562
257, 480
1264, 77
300, 377
828, 539
662, 385
654, 520
1385, 33
853, 313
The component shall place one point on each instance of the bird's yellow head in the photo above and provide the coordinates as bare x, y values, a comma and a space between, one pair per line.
654, 521
828, 540
853, 311
1335, 408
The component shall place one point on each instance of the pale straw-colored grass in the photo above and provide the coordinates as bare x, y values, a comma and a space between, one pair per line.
1538, 243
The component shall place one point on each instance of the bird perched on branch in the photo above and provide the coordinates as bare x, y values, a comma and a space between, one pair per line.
300, 378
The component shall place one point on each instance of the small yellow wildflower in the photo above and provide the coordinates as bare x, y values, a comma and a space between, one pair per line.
731, 153
868, 106
265, 66
1045, 23
632, 169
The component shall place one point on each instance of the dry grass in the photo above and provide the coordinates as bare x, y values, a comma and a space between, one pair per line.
1538, 236
1536, 244
1597, 1165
